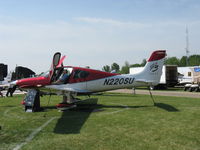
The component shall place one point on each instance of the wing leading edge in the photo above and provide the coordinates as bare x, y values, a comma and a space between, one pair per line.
67, 89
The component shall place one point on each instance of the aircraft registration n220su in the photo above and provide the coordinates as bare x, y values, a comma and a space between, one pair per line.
87, 81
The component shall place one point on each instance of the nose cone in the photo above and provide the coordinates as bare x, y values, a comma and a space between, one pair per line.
32, 82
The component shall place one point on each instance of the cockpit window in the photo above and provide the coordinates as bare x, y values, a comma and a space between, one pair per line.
69, 70
80, 74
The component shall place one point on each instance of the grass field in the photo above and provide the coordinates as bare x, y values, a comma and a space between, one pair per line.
106, 122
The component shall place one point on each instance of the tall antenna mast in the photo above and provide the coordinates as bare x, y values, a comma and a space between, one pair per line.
187, 47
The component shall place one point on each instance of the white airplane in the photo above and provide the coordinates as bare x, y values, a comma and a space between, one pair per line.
88, 81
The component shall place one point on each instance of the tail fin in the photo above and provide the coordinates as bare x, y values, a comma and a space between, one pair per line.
153, 69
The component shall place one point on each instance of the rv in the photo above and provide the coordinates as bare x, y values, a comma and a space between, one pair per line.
195, 80
184, 75
169, 77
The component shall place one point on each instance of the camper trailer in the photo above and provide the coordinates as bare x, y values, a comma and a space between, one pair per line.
184, 75
169, 77
195, 80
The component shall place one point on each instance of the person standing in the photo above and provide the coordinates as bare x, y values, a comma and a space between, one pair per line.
1, 94
11, 90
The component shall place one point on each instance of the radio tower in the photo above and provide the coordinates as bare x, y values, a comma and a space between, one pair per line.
187, 47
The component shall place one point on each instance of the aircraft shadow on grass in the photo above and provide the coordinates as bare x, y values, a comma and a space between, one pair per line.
72, 120
166, 107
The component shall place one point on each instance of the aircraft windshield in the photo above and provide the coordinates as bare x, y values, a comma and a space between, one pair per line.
45, 74
69, 69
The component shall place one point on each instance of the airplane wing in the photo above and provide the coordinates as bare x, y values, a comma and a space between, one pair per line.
67, 89
4, 85
8, 84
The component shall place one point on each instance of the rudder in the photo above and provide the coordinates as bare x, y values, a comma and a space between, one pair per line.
153, 69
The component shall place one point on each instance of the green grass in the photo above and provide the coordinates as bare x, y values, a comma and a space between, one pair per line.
108, 125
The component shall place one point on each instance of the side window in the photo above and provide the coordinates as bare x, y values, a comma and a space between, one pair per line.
189, 74
80, 74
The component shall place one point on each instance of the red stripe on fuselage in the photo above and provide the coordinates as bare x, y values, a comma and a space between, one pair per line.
42, 81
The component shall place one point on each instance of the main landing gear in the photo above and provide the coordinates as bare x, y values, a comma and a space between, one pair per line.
68, 102
32, 101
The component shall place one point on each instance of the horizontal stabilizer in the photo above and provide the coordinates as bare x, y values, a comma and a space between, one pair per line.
149, 82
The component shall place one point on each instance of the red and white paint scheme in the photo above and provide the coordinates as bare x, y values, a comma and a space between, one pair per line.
87, 81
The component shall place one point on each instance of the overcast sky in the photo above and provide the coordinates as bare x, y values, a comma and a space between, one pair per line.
95, 32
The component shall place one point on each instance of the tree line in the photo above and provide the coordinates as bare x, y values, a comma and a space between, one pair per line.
193, 60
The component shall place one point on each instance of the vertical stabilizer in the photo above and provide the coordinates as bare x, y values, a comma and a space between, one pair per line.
153, 68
